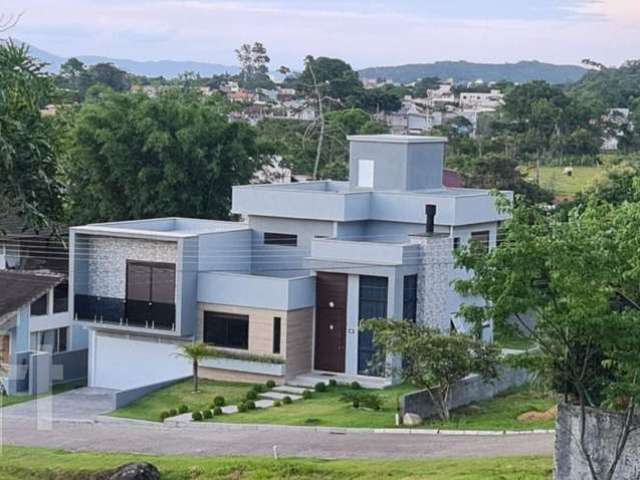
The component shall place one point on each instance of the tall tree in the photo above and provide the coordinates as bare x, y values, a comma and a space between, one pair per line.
28, 159
175, 155
254, 66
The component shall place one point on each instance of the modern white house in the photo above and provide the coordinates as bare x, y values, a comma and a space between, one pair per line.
281, 292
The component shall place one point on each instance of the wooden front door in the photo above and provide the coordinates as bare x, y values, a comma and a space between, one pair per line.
4, 349
331, 321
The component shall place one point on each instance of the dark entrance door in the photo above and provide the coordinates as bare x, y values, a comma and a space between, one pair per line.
331, 321
373, 304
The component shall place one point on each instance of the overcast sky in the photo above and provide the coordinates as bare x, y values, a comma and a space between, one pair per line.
365, 33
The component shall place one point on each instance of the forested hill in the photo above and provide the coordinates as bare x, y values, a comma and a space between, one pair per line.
462, 71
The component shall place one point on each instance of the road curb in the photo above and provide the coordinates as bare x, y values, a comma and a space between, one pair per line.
330, 430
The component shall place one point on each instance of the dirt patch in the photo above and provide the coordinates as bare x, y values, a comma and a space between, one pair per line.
535, 416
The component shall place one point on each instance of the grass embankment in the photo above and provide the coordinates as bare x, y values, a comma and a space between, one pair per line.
19, 463
151, 406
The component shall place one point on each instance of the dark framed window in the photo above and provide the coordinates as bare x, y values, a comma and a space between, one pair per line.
39, 307
372, 304
151, 294
283, 239
456, 243
61, 298
277, 333
481, 239
410, 298
226, 330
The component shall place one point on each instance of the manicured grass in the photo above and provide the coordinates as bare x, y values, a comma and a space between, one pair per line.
553, 179
15, 399
501, 413
19, 463
150, 407
327, 409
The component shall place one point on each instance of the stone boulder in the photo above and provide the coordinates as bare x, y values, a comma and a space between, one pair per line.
411, 419
136, 471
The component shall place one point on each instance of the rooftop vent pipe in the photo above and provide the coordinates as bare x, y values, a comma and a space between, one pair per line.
430, 211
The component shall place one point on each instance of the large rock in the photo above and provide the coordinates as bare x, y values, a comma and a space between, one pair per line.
136, 471
411, 419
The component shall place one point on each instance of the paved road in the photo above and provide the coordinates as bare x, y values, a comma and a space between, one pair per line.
79, 432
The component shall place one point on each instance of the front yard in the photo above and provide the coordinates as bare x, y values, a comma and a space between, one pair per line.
332, 409
19, 463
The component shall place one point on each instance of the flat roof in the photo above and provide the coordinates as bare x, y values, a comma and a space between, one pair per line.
389, 138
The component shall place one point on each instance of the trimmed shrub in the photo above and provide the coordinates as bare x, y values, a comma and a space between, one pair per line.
307, 394
250, 404
321, 387
219, 401
355, 385
251, 395
287, 400
270, 384
363, 399
173, 412
277, 403
164, 415
242, 408
356, 403
217, 411
258, 388
207, 414
183, 409
332, 382
196, 416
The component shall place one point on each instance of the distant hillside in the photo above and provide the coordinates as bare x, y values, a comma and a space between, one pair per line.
165, 68
461, 72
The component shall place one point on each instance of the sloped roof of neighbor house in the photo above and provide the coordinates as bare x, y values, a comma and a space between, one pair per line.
20, 288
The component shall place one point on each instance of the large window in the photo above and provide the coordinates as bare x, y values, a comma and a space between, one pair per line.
410, 298
373, 304
61, 298
52, 341
282, 239
151, 294
226, 330
39, 307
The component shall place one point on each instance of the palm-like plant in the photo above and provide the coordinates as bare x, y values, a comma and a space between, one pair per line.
196, 352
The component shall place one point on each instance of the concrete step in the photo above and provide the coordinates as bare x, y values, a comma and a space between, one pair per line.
289, 389
264, 403
230, 409
279, 396
307, 383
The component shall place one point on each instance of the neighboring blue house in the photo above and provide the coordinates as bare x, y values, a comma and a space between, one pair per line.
284, 290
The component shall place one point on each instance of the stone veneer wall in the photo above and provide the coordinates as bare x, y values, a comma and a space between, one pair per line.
434, 274
107, 261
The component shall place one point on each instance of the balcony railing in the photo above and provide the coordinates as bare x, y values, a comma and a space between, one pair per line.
128, 313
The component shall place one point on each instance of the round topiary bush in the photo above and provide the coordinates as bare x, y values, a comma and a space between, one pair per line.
219, 401
242, 408
183, 409
173, 412
251, 395
164, 415
250, 404
355, 385
258, 388
332, 382
270, 384
307, 394
277, 403
356, 403
207, 414
196, 416
287, 400
321, 387
217, 411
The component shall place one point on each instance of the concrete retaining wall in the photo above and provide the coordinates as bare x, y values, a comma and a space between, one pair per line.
69, 366
602, 431
125, 397
471, 389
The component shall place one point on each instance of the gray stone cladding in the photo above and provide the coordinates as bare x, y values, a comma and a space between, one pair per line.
434, 274
107, 261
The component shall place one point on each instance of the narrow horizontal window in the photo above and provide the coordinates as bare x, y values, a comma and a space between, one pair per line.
284, 239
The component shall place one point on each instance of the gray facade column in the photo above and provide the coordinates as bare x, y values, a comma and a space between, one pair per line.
353, 307
434, 273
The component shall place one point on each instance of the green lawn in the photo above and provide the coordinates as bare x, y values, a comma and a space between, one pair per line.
150, 407
19, 463
326, 409
15, 399
501, 413
553, 179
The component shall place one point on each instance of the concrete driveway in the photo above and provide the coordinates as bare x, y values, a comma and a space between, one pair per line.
82, 404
